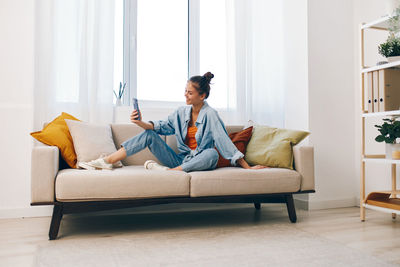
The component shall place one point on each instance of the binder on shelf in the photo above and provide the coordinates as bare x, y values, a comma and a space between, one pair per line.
375, 91
369, 91
389, 89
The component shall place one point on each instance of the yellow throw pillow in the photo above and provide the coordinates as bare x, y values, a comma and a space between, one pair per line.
56, 133
273, 146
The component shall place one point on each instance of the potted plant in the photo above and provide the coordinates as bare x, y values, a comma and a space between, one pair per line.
120, 94
391, 48
390, 131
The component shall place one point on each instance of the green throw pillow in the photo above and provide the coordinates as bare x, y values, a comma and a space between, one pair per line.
273, 146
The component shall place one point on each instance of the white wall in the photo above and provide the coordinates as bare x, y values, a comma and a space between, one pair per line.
331, 100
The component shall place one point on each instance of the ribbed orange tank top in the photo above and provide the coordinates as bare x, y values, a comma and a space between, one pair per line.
190, 138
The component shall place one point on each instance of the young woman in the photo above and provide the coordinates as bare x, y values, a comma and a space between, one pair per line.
197, 128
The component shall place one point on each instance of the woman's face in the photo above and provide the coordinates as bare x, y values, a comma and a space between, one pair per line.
192, 95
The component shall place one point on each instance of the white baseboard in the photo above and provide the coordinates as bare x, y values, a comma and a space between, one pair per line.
332, 203
301, 203
36, 211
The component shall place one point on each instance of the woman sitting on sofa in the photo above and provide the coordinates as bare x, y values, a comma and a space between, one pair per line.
198, 130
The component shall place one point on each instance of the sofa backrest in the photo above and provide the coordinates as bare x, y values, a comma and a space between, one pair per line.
122, 132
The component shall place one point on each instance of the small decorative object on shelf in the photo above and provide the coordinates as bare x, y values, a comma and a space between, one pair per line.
120, 94
391, 48
396, 154
390, 131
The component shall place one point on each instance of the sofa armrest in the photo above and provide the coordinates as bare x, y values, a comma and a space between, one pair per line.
304, 164
44, 168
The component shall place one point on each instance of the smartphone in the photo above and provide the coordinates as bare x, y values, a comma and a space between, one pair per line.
136, 107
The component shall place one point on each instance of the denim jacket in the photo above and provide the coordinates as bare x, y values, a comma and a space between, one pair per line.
210, 133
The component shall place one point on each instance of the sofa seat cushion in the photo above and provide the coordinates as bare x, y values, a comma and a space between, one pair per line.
238, 181
128, 182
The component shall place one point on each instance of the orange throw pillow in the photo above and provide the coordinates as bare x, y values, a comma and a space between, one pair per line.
56, 133
240, 140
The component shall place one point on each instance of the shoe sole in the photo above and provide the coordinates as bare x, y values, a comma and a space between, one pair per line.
147, 163
87, 166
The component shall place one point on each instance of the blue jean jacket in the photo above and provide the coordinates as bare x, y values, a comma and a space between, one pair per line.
210, 133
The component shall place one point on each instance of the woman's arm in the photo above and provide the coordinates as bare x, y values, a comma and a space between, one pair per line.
225, 146
144, 125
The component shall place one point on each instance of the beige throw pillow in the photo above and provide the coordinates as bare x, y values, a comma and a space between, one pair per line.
91, 140
273, 146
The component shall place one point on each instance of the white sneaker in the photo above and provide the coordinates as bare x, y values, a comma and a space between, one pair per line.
96, 164
152, 165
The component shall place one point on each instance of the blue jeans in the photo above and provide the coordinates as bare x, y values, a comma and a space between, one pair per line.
206, 160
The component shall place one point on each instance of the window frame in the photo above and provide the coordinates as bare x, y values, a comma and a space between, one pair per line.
130, 51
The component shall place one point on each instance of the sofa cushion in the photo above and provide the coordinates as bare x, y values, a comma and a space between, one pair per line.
56, 133
128, 182
91, 140
273, 146
240, 140
238, 181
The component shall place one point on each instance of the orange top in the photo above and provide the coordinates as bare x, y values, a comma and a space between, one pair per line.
190, 138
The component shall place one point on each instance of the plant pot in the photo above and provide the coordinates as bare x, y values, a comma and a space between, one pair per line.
118, 102
389, 148
392, 59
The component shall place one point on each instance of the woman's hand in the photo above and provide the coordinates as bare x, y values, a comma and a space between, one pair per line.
245, 165
135, 115
257, 167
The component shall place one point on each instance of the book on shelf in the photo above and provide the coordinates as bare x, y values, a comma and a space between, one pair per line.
382, 90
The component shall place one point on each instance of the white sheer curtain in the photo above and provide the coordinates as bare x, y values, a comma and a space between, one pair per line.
255, 62
74, 58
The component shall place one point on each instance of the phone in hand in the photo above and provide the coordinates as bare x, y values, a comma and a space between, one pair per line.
136, 107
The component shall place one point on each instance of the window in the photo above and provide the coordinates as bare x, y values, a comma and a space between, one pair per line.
162, 50
166, 42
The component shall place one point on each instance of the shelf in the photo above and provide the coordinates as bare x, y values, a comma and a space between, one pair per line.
382, 23
397, 192
382, 160
380, 201
386, 113
383, 201
373, 207
381, 67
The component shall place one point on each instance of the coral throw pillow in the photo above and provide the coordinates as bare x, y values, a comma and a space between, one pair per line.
56, 133
240, 140
273, 146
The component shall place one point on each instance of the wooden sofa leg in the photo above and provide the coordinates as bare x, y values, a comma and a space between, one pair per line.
290, 208
55, 221
257, 205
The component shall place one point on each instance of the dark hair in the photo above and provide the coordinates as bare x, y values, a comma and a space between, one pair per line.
202, 83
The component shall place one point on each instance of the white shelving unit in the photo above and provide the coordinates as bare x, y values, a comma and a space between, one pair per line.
385, 201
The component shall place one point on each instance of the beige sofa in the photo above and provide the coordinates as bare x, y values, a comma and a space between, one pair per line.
73, 190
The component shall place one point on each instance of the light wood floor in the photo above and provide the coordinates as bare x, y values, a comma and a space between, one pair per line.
379, 235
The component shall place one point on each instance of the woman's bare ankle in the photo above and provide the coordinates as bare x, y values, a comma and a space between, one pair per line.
108, 160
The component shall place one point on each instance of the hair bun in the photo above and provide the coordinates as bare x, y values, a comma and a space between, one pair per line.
208, 76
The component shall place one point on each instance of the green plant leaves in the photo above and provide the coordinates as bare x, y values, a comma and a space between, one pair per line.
391, 48
390, 131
